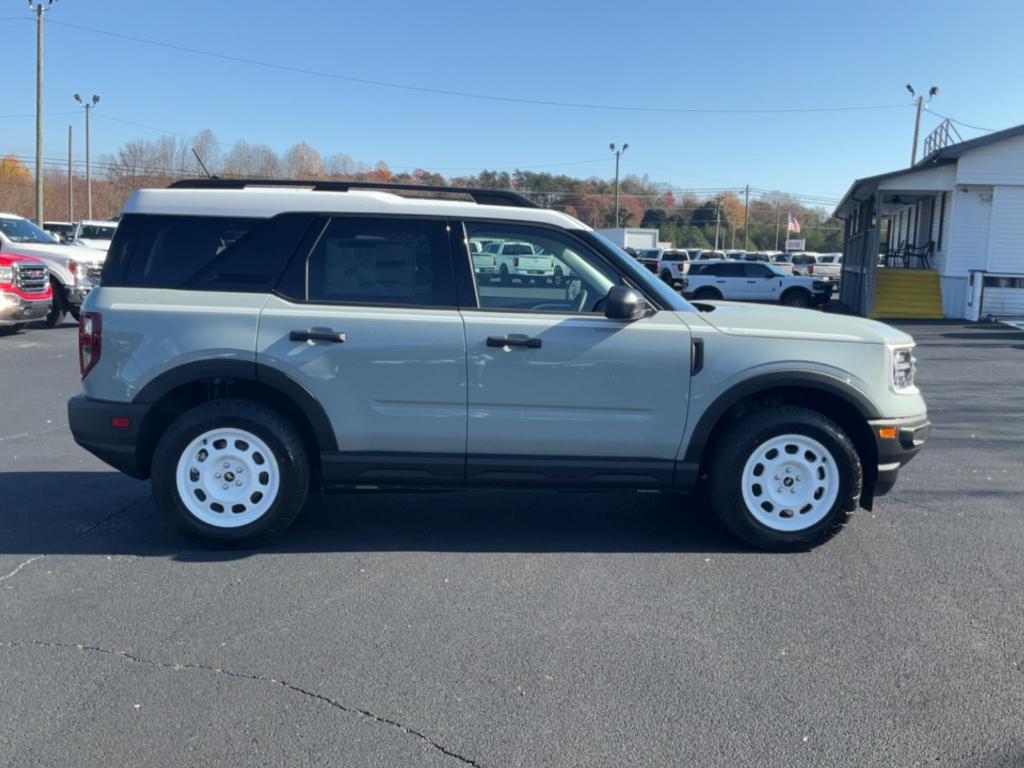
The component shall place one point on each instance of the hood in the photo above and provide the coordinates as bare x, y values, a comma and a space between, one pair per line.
99, 245
738, 319
47, 252
7, 259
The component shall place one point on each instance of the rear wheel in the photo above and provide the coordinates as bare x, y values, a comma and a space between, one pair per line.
784, 478
59, 307
558, 277
666, 276
230, 472
706, 294
503, 273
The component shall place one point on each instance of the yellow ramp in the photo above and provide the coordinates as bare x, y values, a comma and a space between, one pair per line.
910, 294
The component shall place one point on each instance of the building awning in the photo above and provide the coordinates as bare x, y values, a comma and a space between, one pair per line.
862, 189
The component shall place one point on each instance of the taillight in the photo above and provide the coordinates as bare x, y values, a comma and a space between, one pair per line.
90, 341
810, 269
515, 261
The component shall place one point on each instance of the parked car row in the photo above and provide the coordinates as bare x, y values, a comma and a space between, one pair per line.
87, 233
71, 271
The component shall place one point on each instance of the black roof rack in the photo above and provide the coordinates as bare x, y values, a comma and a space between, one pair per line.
480, 196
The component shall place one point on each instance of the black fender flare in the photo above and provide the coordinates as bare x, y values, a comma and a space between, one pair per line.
246, 370
822, 382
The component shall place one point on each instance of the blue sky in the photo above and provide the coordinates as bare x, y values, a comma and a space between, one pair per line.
701, 55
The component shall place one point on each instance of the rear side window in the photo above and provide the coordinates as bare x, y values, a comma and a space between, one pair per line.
381, 261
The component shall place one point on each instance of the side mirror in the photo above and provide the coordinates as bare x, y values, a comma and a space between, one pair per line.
624, 303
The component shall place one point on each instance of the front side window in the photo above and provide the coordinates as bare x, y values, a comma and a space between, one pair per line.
540, 270
381, 261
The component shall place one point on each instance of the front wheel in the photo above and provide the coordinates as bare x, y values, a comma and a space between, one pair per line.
796, 298
230, 472
59, 307
784, 478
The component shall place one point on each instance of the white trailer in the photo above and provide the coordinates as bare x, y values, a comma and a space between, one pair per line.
638, 239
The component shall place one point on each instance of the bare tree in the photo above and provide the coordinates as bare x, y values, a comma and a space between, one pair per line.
303, 162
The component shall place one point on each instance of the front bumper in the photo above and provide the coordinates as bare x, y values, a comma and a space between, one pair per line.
92, 426
894, 452
14, 309
77, 294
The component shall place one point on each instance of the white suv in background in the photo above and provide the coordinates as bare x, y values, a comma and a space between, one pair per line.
753, 281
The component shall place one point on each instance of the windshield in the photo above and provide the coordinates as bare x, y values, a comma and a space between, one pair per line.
24, 231
97, 232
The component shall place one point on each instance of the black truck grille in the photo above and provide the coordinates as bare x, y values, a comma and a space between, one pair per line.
31, 278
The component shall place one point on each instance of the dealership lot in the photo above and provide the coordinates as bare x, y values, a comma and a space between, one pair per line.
525, 629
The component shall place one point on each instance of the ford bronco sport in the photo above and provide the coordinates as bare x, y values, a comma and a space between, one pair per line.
253, 340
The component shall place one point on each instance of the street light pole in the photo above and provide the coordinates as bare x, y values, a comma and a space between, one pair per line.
40, 7
933, 91
88, 167
618, 154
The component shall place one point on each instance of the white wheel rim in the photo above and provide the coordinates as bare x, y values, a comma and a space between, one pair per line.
790, 483
228, 478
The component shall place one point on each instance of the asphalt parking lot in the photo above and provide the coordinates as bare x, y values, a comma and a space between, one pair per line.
504, 629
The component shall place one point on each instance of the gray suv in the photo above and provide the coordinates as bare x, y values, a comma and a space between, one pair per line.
253, 340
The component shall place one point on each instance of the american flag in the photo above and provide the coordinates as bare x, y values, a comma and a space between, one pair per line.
794, 224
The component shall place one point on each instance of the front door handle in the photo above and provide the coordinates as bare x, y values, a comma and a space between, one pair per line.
514, 340
321, 335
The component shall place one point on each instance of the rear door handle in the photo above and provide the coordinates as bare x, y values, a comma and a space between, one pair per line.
323, 335
514, 340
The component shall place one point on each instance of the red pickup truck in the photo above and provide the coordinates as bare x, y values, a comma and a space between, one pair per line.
25, 293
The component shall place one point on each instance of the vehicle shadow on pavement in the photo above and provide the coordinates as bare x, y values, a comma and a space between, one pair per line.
109, 514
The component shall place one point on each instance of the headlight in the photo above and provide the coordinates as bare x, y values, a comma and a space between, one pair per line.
904, 366
7, 275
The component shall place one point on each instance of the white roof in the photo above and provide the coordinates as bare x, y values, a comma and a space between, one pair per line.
263, 202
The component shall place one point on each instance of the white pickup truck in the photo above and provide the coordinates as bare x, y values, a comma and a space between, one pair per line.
514, 259
753, 281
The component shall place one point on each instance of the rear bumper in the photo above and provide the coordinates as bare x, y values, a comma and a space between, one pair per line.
895, 452
15, 309
92, 426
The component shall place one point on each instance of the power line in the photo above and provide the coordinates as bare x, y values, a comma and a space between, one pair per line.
469, 94
961, 122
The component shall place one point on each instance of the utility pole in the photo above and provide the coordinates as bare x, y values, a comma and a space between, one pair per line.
618, 154
746, 218
71, 188
89, 105
778, 213
718, 220
933, 91
40, 7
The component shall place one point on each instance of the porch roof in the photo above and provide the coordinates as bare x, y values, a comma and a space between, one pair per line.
861, 189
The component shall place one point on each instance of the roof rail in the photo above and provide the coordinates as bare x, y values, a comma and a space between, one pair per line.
479, 196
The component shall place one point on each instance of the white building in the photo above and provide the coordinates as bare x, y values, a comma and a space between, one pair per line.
958, 212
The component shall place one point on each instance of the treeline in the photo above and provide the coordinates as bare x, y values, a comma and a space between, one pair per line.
685, 219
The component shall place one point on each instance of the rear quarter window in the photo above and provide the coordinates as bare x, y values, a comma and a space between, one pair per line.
206, 253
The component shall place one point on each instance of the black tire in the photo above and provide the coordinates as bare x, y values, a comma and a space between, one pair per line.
666, 277
10, 330
504, 275
59, 308
737, 444
75, 312
796, 297
558, 277
707, 294
279, 434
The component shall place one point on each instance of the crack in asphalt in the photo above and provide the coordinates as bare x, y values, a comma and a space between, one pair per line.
6, 576
46, 431
102, 521
176, 667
